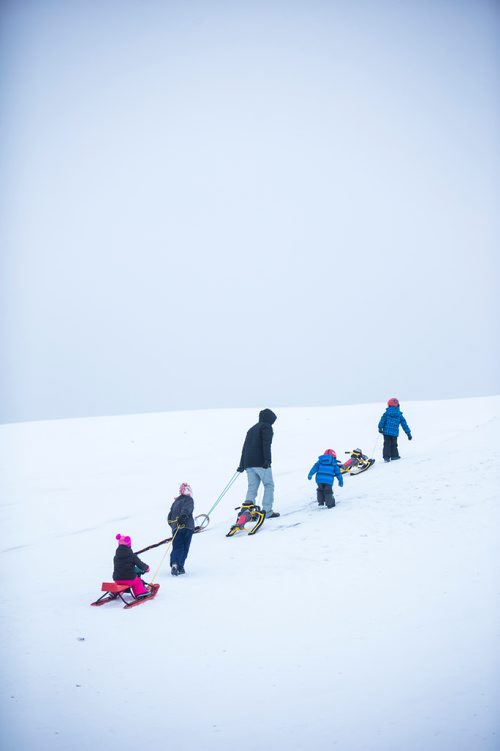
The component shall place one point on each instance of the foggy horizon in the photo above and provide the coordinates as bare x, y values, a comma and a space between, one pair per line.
209, 206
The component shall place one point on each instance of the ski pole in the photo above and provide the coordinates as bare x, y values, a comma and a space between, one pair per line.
171, 542
219, 499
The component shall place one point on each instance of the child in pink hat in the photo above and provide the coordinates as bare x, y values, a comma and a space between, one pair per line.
128, 567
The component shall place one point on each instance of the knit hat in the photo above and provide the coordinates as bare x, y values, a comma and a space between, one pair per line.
124, 540
331, 452
185, 489
393, 402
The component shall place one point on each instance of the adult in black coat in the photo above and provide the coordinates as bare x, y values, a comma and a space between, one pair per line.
256, 461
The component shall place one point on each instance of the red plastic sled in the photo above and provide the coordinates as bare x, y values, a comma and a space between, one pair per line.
113, 591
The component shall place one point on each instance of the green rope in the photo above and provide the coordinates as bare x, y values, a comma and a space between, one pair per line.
223, 493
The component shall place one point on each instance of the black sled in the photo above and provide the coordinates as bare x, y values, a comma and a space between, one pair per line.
357, 463
249, 514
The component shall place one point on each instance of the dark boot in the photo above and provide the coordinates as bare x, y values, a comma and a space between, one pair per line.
329, 497
387, 450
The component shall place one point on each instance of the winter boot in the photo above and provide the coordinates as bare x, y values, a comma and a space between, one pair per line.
272, 515
175, 569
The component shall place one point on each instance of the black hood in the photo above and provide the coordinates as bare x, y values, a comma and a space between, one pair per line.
267, 415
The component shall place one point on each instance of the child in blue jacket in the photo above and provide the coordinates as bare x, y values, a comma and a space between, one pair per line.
326, 469
389, 427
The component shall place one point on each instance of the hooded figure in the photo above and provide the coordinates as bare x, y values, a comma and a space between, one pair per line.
256, 460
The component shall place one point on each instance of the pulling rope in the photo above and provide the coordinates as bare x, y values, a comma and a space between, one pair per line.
376, 444
197, 528
203, 524
155, 545
219, 499
164, 554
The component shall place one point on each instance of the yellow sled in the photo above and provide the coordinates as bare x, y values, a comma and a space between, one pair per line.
249, 514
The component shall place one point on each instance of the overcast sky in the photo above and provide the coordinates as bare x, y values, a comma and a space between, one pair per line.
210, 204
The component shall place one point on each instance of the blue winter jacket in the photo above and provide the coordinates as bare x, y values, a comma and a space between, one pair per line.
326, 469
391, 420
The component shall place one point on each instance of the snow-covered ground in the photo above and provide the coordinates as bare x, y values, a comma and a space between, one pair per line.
373, 626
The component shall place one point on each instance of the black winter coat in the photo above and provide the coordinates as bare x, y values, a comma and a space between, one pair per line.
183, 504
257, 447
125, 561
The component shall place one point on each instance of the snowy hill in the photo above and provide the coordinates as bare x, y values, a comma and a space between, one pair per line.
370, 627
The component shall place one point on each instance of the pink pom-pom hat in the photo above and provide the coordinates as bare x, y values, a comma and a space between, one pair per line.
124, 540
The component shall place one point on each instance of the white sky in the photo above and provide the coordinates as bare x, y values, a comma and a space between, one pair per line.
210, 204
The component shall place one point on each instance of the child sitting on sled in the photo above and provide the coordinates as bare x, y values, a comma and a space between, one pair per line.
128, 567
181, 521
326, 470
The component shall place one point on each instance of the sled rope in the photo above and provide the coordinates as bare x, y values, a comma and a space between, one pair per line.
150, 547
165, 555
376, 444
198, 528
223, 493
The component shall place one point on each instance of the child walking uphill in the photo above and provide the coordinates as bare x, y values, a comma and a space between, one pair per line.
326, 470
181, 521
128, 567
389, 427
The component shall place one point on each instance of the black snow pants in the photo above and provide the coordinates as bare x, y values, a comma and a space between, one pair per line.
390, 447
324, 494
